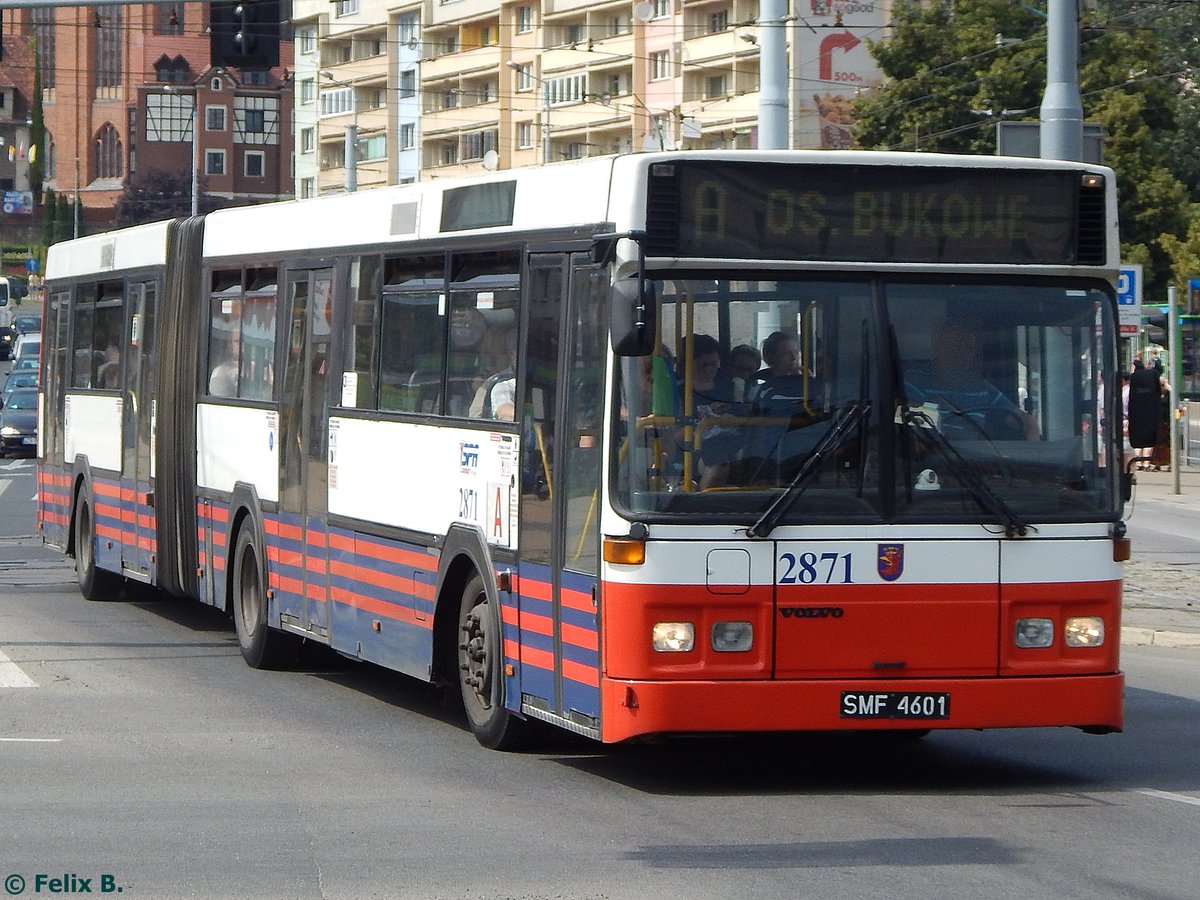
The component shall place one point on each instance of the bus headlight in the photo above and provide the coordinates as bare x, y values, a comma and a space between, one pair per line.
673, 637
732, 637
1085, 631
1035, 632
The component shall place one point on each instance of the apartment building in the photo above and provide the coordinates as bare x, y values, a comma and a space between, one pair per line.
449, 87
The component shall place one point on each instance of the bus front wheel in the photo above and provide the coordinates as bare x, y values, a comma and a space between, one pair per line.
94, 583
262, 647
480, 671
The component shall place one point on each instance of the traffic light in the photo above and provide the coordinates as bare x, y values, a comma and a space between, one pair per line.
245, 34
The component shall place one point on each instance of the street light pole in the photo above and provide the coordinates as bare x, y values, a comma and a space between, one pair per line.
195, 120
523, 70
351, 138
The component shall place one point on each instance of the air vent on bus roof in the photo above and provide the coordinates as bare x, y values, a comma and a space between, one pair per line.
1091, 230
662, 210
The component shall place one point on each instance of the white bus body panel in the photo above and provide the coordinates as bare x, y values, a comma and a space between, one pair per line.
138, 247
424, 478
237, 443
88, 430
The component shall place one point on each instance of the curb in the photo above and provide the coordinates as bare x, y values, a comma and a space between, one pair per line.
1153, 637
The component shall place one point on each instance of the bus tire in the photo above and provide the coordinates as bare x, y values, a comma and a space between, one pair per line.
262, 647
94, 583
480, 671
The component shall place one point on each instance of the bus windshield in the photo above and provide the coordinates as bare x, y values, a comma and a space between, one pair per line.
870, 400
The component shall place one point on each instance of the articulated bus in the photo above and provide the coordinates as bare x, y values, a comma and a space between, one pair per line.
490, 433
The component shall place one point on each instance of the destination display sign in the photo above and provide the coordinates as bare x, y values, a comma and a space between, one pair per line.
863, 213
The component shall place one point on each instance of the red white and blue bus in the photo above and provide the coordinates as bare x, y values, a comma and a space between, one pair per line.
490, 433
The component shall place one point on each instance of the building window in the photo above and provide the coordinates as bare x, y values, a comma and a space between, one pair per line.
408, 83
306, 40
168, 19
256, 121
408, 136
109, 163
524, 135
476, 143
449, 154
345, 7
308, 91
214, 162
374, 147
307, 140
450, 99
660, 9
660, 65
575, 150
718, 21
715, 86
109, 48
308, 188
255, 164
524, 78
524, 19
337, 102
568, 89
214, 118
407, 31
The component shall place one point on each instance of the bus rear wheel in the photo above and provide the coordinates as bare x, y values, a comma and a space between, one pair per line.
94, 583
262, 647
480, 671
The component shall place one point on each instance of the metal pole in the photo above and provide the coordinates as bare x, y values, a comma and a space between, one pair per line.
1173, 370
195, 155
545, 120
773, 76
1062, 108
352, 158
76, 204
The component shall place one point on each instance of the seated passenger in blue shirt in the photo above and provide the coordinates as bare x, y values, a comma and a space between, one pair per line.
969, 407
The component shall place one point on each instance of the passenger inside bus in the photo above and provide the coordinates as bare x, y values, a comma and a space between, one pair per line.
495, 398
964, 404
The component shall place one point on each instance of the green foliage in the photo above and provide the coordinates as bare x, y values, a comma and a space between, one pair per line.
955, 70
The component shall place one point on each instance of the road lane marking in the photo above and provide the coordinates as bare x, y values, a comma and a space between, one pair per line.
4, 740
1167, 795
11, 674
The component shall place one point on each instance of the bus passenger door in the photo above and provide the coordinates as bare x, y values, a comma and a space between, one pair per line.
304, 453
560, 480
137, 402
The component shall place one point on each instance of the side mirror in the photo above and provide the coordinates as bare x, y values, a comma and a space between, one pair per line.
633, 318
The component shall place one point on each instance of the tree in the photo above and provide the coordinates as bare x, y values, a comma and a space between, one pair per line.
954, 74
153, 196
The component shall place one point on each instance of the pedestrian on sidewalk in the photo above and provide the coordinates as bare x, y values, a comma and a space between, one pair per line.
1145, 410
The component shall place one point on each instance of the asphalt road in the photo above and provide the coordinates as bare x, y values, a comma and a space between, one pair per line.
143, 749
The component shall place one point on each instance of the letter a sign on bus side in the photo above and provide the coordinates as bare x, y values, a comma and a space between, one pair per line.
497, 513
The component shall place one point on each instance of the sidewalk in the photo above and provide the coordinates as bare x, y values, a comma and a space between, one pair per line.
1162, 599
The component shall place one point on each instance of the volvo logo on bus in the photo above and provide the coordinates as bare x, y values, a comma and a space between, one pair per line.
811, 612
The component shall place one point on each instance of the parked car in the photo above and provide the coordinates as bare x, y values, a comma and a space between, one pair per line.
8, 337
18, 423
27, 378
25, 323
25, 364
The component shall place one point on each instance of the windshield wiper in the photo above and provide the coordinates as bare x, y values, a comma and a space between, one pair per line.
922, 425
840, 429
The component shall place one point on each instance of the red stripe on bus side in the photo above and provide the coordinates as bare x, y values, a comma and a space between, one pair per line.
580, 673
381, 608
539, 659
580, 637
383, 552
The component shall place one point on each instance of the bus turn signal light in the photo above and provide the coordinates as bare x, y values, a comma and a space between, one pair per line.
624, 550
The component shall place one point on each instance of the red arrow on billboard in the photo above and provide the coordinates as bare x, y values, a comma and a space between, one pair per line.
844, 42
